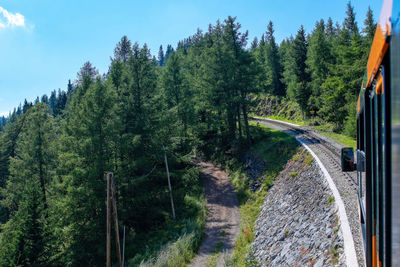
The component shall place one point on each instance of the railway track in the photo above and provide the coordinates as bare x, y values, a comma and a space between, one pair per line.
347, 183
328, 149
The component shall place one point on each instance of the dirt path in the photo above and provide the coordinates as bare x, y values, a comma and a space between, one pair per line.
223, 219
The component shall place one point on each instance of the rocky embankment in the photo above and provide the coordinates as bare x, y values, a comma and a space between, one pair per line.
298, 224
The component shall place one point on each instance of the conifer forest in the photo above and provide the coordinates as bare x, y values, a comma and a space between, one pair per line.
195, 99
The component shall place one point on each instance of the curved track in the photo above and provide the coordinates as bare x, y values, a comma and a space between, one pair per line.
328, 152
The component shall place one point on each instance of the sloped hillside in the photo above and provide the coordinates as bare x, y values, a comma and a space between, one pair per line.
298, 224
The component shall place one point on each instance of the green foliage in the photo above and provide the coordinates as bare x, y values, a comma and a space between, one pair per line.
334, 109
370, 26
272, 63
295, 74
54, 152
350, 23
308, 159
323, 71
26, 238
276, 148
178, 240
350, 127
319, 59
8, 145
330, 200
85, 156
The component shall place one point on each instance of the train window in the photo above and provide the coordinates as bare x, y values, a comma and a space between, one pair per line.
372, 180
347, 158
377, 160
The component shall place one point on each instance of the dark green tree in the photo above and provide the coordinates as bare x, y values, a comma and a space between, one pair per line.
170, 49
330, 29
178, 95
123, 49
161, 59
45, 99
295, 75
85, 156
319, 60
350, 23
26, 237
369, 26
87, 71
272, 62
254, 44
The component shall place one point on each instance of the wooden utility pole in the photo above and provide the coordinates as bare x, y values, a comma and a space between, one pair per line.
169, 184
111, 194
108, 221
114, 198
123, 249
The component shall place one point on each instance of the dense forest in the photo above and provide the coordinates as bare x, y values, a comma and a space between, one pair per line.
194, 99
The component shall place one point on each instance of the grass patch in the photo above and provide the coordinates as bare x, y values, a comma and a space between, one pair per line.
324, 130
330, 200
213, 260
293, 174
175, 242
280, 118
276, 148
283, 109
340, 138
334, 253
308, 159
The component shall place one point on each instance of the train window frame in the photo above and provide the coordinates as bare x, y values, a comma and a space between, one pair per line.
377, 159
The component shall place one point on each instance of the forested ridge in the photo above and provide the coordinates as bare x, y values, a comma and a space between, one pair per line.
194, 100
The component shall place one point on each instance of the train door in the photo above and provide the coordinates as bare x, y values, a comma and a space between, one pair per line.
376, 182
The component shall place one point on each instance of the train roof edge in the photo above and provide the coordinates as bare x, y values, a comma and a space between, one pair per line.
378, 48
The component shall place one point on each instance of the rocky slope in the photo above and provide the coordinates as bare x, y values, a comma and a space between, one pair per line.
298, 224
268, 105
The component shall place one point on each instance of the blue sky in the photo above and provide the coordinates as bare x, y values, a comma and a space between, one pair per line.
43, 43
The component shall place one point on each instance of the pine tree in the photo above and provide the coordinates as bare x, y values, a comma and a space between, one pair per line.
329, 29
301, 89
53, 102
85, 155
161, 59
259, 54
26, 106
319, 59
350, 23
61, 102
369, 26
123, 49
87, 71
26, 239
177, 94
254, 44
288, 76
70, 90
227, 76
170, 49
139, 113
334, 107
273, 66
45, 99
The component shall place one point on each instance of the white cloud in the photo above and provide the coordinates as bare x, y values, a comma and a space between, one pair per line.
8, 19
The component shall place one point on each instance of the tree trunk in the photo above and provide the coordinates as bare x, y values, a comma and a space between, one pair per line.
246, 123
239, 122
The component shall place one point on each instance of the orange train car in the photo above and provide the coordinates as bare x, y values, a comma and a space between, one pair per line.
378, 143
